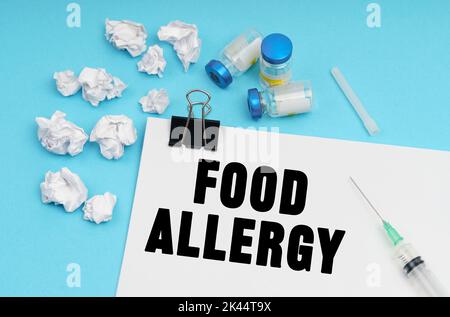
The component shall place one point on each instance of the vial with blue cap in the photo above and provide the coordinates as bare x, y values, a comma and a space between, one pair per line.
278, 101
275, 61
235, 59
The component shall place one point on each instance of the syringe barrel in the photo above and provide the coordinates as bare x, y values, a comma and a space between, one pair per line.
425, 281
415, 269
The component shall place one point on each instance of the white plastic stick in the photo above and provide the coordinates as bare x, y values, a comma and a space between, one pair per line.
368, 122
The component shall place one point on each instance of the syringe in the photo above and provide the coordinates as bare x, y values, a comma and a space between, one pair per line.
413, 265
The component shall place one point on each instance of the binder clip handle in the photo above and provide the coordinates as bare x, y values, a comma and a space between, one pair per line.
191, 104
196, 133
204, 103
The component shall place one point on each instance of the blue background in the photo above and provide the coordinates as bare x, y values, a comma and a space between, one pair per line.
400, 71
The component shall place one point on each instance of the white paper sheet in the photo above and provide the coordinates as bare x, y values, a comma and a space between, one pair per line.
411, 187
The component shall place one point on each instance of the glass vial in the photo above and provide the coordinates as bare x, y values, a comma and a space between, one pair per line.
275, 61
235, 59
279, 101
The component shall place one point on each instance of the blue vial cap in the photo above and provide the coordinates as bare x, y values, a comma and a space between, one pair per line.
219, 74
276, 48
254, 103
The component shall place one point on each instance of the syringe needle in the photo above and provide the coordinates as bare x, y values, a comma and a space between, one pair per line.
367, 199
391, 232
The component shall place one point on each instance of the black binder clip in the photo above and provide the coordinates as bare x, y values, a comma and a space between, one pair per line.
193, 132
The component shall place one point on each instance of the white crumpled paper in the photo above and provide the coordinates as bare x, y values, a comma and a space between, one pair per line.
65, 188
67, 82
99, 208
98, 85
156, 101
112, 133
126, 35
59, 136
153, 62
185, 41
